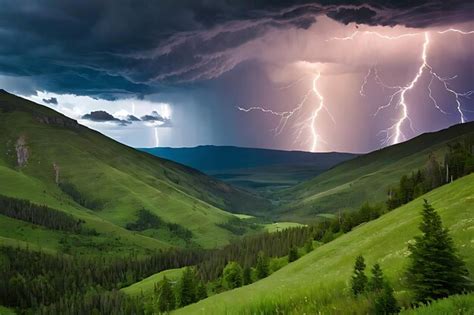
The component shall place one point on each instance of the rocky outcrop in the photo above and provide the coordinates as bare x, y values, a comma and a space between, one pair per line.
22, 153
58, 121
56, 173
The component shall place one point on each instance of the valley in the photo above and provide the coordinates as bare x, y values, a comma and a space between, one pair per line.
263, 232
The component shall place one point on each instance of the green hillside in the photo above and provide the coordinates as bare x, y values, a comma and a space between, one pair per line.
147, 285
318, 282
364, 178
49, 159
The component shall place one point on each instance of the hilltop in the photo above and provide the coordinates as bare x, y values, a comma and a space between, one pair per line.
52, 160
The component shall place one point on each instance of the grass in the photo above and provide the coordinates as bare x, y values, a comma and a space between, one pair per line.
453, 305
319, 281
365, 178
243, 216
280, 226
120, 179
147, 285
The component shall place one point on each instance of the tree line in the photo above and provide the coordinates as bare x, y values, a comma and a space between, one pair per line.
37, 279
27, 211
458, 162
148, 220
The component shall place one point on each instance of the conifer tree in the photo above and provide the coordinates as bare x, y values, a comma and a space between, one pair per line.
376, 282
359, 279
166, 297
247, 275
232, 275
201, 291
385, 302
308, 246
292, 254
435, 271
187, 287
263, 268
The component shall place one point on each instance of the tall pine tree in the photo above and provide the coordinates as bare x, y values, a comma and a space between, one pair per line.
263, 268
435, 271
359, 279
187, 287
376, 282
166, 297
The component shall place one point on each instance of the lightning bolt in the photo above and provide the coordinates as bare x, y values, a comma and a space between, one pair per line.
309, 123
157, 140
394, 133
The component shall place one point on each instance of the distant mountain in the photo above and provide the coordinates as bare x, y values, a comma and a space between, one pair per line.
217, 158
257, 170
49, 159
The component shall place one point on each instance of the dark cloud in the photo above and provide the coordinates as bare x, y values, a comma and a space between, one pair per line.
111, 49
154, 117
132, 118
52, 100
103, 116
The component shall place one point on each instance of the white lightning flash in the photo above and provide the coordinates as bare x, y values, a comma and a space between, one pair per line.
394, 133
309, 123
157, 140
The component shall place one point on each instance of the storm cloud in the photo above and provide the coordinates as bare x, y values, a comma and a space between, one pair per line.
51, 100
112, 49
103, 116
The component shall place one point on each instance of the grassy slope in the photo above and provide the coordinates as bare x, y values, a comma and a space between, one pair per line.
122, 179
319, 280
457, 304
147, 285
367, 177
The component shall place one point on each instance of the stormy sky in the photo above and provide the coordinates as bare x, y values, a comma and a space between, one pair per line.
295, 75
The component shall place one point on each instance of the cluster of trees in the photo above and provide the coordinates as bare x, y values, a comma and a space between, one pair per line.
71, 190
95, 302
435, 270
148, 220
344, 222
42, 215
238, 226
188, 290
377, 288
36, 279
458, 162
246, 251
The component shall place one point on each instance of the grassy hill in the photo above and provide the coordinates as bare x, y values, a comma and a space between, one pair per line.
319, 281
147, 285
49, 159
364, 178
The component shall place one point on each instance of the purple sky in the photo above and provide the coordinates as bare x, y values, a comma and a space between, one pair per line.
246, 75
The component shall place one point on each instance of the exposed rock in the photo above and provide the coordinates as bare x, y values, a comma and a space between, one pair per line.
58, 121
56, 173
22, 153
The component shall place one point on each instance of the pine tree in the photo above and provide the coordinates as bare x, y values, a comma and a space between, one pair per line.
435, 271
232, 275
292, 254
359, 279
201, 291
385, 302
187, 287
263, 268
308, 246
166, 297
247, 275
376, 282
